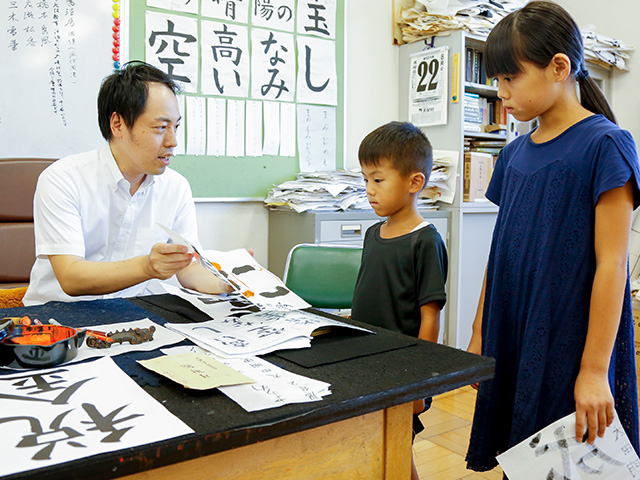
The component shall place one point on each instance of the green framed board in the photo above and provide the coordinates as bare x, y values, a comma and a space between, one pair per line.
241, 176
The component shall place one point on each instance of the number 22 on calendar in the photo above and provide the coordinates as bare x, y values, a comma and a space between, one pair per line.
428, 87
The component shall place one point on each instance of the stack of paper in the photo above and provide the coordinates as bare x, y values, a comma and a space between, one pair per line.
320, 191
604, 50
442, 182
341, 190
420, 19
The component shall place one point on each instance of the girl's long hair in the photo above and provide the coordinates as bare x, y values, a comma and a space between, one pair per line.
536, 33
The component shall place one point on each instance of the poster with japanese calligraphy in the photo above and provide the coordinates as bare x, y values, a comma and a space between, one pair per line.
555, 453
273, 65
51, 75
225, 59
317, 79
254, 57
316, 138
173, 47
273, 14
233, 10
70, 412
317, 17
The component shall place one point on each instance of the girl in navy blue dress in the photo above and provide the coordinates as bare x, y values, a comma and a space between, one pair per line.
555, 309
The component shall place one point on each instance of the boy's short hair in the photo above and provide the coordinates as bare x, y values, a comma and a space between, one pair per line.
125, 92
403, 144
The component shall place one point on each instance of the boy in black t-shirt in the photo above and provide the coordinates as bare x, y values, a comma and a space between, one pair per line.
401, 283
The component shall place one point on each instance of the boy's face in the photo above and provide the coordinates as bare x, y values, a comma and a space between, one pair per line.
388, 191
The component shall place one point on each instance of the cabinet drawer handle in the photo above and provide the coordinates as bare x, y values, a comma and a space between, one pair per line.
351, 230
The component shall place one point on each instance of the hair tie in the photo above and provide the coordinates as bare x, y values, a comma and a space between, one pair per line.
582, 74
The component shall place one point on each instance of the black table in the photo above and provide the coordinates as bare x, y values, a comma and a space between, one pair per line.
361, 430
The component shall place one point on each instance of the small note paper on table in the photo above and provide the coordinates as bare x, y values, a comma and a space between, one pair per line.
273, 387
195, 370
554, 453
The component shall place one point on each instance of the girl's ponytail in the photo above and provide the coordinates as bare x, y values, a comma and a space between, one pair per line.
591, 97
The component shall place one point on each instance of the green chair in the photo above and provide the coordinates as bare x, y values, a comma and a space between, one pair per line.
323, 275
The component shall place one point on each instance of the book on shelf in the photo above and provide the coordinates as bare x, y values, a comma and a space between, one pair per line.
474, 67
477, 170
472, 127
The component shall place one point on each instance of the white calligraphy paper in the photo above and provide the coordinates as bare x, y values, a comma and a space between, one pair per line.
316, 138
555, 453
216, 126
317, 17
240, 269
172, 46
196, 121
271, 128
234, 10
75, 411
273, 387
317, 79
254, 129
235, 128
273, 65
225, 59
237, 330
287, 130
273, 14
254, 282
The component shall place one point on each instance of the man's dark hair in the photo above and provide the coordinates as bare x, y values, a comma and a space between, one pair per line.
401, 143
125, 92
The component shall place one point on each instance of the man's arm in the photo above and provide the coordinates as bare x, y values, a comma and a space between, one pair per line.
196, 277
78, 276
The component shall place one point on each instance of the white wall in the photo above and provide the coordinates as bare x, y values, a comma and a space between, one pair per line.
372, 72
618, 19
229, 225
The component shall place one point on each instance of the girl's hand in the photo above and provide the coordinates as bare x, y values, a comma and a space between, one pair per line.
594, 404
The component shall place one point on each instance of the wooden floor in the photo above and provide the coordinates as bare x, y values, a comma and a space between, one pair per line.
440, 449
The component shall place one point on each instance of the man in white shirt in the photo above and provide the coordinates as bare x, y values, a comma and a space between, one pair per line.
96, 213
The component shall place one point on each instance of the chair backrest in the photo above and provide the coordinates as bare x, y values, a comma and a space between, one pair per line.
323, 275
18, 178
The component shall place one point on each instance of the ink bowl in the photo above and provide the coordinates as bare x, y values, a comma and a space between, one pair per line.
38, 346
